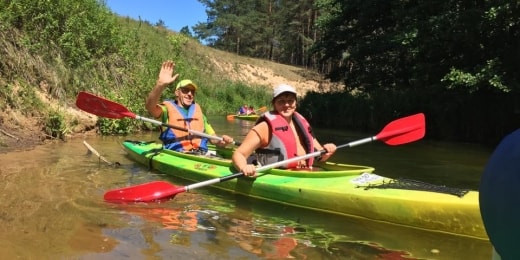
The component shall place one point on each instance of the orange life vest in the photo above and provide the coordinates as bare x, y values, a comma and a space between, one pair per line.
179, 140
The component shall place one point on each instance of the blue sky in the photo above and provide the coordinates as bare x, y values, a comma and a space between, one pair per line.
175, 13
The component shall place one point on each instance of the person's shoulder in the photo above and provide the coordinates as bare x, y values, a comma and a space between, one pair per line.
262, 127
263, 131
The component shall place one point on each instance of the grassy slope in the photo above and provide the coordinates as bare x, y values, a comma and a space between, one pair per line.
24, 126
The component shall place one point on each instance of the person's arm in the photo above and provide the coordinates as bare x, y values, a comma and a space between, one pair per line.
165, 78
252, 142
329, 147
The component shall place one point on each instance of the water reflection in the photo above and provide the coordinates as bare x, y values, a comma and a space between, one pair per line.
234, 230
243, 127
280, 230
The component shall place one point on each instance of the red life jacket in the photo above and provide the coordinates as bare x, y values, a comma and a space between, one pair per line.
283, 144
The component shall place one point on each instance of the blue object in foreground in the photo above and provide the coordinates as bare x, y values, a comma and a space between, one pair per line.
500, 197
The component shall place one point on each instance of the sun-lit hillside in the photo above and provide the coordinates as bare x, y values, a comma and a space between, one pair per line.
263, 72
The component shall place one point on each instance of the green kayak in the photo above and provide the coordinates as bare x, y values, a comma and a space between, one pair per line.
247, 117
351, 190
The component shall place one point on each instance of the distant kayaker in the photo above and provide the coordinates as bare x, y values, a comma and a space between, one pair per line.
243, 110
182, 112
251, 110
279, 135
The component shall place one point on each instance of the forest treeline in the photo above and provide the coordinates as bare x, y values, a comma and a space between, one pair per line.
467, 45
456, 61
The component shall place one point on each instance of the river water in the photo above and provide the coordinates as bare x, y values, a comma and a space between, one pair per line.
52, 207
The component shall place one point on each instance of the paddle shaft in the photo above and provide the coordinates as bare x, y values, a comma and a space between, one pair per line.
259, 169
274, 165
385, 134
153, 121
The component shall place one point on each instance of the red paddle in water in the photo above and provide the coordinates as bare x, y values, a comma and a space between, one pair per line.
400, 131
105, 108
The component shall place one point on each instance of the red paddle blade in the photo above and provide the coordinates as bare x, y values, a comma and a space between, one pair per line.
151, 191
403, 130
102, 107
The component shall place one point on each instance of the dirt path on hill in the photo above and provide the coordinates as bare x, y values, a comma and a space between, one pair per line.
273, 74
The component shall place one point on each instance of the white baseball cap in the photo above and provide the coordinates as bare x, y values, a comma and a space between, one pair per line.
283, 88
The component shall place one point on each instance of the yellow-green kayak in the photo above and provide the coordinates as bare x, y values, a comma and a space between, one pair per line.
247, 117
351, 190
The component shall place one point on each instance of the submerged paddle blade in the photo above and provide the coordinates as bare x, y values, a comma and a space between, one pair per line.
403, 130
102, 107
146, 192
230, 117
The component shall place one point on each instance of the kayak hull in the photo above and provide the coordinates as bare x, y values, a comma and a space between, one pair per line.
247, 117
330, 187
